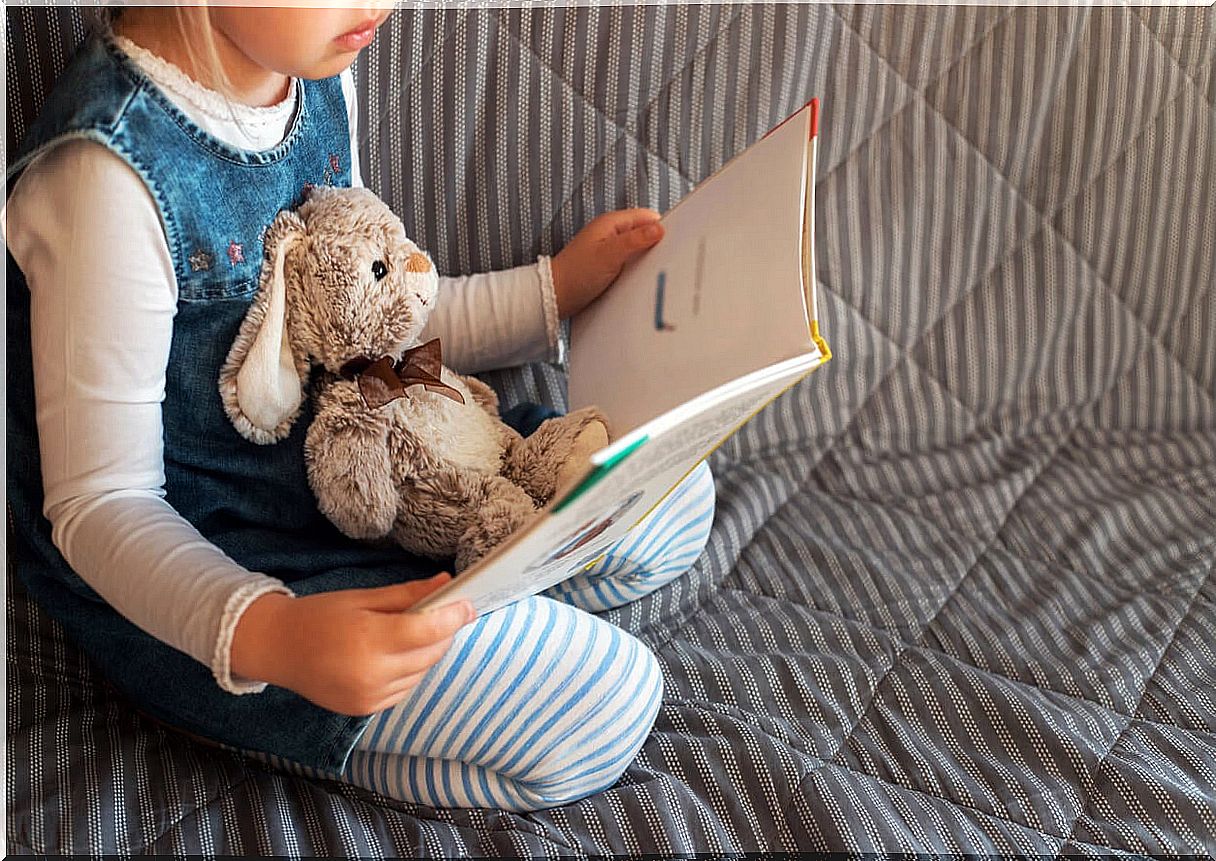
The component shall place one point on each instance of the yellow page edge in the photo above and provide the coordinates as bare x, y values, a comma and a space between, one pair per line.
810, 296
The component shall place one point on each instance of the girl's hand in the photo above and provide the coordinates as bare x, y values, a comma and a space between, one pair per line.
354, 651
597, 253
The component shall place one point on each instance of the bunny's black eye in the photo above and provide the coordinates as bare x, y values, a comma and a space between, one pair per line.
379, 270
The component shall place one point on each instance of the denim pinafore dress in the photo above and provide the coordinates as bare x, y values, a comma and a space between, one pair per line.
252, 501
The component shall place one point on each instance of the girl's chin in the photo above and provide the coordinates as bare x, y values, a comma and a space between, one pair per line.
330, 66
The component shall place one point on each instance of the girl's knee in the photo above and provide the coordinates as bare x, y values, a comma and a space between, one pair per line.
702, 497
606, 729
564, 701
685, 515
660, 548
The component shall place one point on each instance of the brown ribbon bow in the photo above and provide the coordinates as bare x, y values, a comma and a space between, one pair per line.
382, 380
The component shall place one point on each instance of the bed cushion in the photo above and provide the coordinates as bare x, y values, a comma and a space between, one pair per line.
959, 595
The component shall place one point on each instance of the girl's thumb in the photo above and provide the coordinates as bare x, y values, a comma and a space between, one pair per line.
636, 240
645, 235
402, 596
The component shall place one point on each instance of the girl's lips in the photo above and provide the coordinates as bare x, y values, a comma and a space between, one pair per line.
360, 37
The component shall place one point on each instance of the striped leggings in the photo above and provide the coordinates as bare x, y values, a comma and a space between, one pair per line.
540, 703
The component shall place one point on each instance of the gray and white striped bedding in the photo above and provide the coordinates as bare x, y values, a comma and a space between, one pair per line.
959, 595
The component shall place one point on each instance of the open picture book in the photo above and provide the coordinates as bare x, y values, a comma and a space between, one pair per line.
692, 340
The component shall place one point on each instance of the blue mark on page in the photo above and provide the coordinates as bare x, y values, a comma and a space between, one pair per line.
659, 323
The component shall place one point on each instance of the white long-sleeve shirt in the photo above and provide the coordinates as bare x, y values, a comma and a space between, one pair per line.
87, 235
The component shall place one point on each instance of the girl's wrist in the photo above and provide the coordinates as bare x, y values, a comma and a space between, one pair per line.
555, 270
257, 640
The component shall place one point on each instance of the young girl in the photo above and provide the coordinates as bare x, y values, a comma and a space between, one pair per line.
193, 566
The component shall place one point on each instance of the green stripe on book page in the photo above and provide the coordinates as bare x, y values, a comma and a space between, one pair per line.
599, 472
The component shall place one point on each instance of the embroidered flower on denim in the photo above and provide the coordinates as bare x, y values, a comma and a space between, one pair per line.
201, 260
236, 253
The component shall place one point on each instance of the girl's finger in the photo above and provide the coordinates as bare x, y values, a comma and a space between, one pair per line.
624, 220
402, 596
646, 235
399, 692
415, 661
642, 236
417, 629
405, 684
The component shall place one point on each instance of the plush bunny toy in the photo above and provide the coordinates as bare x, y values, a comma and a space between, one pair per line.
400, 446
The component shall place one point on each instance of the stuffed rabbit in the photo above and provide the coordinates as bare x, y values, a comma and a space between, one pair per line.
400, 446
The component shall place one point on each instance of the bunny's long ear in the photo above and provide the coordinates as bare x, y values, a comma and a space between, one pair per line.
262, 381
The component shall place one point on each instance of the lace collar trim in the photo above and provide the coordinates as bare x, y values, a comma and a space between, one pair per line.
207, 101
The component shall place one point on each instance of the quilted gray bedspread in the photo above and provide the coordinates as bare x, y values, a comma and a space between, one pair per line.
959, 595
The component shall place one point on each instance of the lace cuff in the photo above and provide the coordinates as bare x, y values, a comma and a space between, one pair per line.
555, 331
221, 666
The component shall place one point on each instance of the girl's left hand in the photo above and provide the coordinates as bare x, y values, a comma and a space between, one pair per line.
597, 253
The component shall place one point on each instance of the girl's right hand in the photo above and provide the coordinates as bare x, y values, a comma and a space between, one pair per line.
354, 651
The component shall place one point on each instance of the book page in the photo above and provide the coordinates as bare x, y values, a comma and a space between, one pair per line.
570, 535
719, 297
695, 338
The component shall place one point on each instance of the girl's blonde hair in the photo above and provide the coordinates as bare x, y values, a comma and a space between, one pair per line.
195, 21
193, 25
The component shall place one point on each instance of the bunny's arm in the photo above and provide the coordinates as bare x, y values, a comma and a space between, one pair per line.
483, 395
349, 467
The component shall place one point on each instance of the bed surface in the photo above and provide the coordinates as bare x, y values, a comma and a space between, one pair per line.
959, 595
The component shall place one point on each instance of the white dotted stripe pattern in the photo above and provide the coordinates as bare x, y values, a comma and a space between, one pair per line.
958, 596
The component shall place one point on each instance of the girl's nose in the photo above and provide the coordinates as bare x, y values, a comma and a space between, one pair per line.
417, 262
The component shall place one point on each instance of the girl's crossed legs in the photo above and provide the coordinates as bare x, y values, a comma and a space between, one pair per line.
540, 703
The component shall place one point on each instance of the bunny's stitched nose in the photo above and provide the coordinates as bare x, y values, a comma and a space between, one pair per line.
417, 263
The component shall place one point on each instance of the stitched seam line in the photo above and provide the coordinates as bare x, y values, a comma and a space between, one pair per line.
1088, 797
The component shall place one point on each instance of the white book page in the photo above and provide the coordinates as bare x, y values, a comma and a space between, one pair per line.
721, 296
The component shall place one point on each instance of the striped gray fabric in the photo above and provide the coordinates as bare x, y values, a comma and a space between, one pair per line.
959, 596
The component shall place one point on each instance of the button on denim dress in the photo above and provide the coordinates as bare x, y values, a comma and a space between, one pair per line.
252, 501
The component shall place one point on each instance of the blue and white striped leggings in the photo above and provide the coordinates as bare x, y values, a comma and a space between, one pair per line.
540, 703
